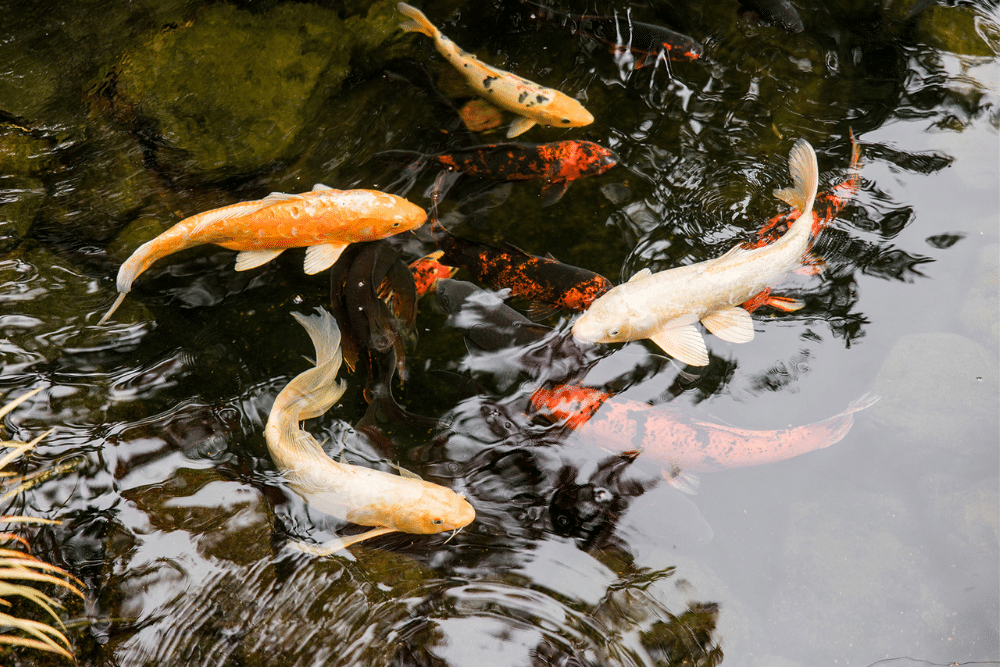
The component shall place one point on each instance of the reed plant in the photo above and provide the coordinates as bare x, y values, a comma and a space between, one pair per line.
21, 574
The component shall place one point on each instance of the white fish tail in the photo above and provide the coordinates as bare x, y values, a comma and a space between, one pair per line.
308, 395
420, 23
805, 175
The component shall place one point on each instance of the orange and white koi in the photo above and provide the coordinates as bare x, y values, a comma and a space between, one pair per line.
324, 221
391, 503
535, 103
664, 306
685, 445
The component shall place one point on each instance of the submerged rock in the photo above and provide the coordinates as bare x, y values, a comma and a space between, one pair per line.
20, 199
231, 91
961, 30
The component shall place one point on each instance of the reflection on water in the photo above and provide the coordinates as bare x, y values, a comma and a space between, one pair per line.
883, 545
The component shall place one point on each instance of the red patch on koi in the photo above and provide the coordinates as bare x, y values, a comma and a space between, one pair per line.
571, 405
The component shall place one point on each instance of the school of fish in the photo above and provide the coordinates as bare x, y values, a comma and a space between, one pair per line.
375, 295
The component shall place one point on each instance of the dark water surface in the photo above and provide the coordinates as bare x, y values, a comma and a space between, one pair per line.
118, 120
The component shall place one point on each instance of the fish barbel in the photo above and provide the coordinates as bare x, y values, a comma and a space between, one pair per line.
664, 306
324, 221
403, 503
535, 103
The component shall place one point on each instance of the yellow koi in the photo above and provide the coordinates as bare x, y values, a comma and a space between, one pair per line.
664, 306
324, 221
403, 503
535, 104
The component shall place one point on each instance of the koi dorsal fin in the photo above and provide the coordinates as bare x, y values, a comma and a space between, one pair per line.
319, 187
276, 197
406, 474
644, 273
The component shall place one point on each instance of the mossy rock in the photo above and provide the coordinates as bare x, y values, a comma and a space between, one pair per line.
231, 91
23, 153
20, 199
960, 30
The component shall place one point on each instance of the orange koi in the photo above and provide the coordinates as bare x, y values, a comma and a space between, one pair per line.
324, 221
532, 102
684, 445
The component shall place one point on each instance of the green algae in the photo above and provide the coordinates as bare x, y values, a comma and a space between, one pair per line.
960, 30
233, 92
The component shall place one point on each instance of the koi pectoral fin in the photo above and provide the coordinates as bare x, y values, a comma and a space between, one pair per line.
251, 259
730, 324
322, 257
684, 343
553, 192
520, 126
340, 543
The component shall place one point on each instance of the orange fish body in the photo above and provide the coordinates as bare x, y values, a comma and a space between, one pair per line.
325, 221
427, 271
681, 444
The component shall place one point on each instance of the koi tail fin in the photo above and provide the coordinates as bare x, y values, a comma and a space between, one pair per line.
131, 268
419, 22
805, 175
317, 389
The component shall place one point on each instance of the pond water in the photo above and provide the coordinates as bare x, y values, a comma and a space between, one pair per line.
118, 120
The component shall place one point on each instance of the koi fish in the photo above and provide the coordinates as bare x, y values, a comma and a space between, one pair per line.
428, 270
542, 280
778, 13
647, 41
664, 306
367, 497
374, 296
825, 209
558, 163
324, 221
535, 104
570, 405
664, 434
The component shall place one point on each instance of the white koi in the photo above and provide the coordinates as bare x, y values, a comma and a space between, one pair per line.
664, 306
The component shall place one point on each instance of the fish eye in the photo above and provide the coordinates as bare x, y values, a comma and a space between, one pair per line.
395, 224
614, 332
566, 121
438, 522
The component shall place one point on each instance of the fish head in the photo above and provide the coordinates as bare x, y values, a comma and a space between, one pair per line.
608, 320
564, 111
592, 159
400, 215
438, 509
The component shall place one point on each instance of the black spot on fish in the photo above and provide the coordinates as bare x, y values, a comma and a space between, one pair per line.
541, 99
522, 97
488, 81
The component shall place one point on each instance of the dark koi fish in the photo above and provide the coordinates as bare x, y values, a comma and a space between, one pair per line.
778, 13
683, 445
646, 42
558, 163
490, 325
825, 208
542, 280
372, 332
